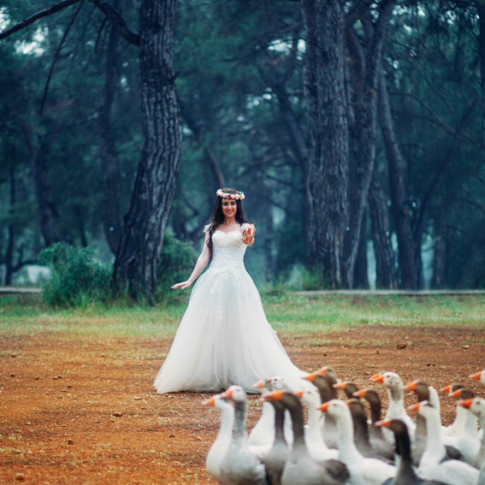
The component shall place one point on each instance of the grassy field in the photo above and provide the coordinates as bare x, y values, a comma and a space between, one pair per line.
288, 314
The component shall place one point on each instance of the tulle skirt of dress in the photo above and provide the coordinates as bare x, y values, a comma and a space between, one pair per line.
224, 338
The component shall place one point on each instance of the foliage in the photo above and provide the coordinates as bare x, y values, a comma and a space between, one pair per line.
176, 263
231, 57
77, 278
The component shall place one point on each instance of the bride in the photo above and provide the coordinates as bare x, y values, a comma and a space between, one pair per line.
224, 337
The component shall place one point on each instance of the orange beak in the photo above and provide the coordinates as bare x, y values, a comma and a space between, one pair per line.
299, 394
446, 390
273, 396
377, 378
414, 407
324, 407
259, 385
340, 385
457, 393
411, 386
309, 377
360, 393
383, 422
476, 376
466, 403
209, 402
228, 394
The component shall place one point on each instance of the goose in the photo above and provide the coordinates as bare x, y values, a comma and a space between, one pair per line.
479, 376
349, 388
361, 431
461, 414
220, 445
316, 446
274, 461
363, 471
324, 380
465, 439
406, 475
433, 465
476, 406
384, 445
240, 466
262, 435
423, 393
301, 468
396, 398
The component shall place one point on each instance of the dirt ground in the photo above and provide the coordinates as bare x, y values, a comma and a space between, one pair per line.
81, 410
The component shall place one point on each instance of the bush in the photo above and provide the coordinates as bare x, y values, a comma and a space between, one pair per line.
76, 276
177, 261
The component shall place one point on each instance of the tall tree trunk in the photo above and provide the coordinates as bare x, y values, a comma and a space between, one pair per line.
480, 4
327, 162
408, 266
145, 223
438, 279
11, 229
361, 279
385, 267
366, 134
39, 163
110, 202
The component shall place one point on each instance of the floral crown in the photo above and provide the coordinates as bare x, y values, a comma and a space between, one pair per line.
226, 195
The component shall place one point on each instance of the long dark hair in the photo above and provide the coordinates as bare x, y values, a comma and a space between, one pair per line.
217, 217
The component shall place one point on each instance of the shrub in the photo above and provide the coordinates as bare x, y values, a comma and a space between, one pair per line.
76, 276
177, 261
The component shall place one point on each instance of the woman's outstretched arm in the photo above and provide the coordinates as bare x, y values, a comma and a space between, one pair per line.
202, 262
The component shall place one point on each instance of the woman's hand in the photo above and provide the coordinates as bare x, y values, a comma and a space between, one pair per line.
183, 286
248, 235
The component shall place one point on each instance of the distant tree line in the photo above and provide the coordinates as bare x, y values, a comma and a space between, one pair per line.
348, 124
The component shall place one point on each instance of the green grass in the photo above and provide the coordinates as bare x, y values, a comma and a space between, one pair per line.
288, 314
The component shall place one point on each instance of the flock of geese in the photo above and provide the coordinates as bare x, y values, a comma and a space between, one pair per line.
339, 444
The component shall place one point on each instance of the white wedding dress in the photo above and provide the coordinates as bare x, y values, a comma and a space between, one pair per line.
224, 337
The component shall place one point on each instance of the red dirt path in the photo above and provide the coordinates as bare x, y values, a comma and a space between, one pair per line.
81, 410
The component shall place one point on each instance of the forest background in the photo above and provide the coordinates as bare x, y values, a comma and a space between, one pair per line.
355, 128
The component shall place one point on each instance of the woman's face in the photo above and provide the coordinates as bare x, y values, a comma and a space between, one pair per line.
229, 208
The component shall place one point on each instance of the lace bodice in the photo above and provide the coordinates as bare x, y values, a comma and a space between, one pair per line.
227, 250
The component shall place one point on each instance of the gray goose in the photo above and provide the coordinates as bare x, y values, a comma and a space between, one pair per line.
378, 440
300, 468
406, 475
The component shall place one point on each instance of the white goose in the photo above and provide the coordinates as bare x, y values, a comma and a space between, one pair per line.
476, 406
313, 430
395, 390
465, 439
432, 466
240, 466
363, 471
219, 447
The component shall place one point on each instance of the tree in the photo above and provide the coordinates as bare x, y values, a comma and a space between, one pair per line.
145, 223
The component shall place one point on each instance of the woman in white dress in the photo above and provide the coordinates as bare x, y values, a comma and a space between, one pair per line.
224, 337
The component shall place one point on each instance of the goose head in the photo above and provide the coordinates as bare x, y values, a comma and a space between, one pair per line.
476, 405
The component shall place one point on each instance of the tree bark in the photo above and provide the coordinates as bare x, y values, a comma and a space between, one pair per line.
110, 202
385, 267
11, 229
48, 214
327, 162
408, 266
481, 52
365, 133
361, 279
145, 223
